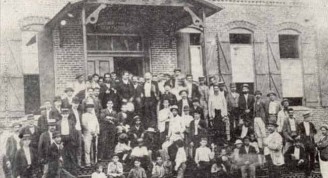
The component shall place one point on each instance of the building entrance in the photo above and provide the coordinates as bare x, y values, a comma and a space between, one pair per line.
131, 64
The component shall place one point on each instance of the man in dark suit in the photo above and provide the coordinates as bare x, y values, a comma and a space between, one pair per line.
125, 88
167, 95
25, 161
34, 133
43, 121
248, 157
108, 92
197, 131
44, 145
193, 91
185, 101
12, 146
138, 94
55, 159
67, 101
150, 98
174, 80
198, 108
295, 156
107, 122
55, 112
246, 104
307, 130
289, 130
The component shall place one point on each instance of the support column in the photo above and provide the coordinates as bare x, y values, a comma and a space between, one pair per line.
85, 48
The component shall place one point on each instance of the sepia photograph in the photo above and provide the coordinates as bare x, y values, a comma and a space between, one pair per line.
164, 89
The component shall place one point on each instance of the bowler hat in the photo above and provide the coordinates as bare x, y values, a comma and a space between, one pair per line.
136, 117
195, 100
69, 89
307, 114
78, 76
238, 141
150, 129
258, 92
56, 134
43, 108
180, 92
174, 107
271, 93
233, 85
197, 112
284, 100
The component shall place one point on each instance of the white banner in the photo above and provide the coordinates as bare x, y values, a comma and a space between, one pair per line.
291, 77
242, 63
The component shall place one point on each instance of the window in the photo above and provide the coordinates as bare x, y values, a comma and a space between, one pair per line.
240, 38
195, 39
288, 46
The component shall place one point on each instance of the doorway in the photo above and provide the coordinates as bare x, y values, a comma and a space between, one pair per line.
133, 65
32, 94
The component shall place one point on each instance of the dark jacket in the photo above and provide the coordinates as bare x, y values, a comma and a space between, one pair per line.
66, 103
202, 131
290, 151
181, 109
43, 123
11, 150
105, 97
251, 156
308, 141
43, 148
21, 164
168, 96
250, 103
195, 91
287, 132
125, 91
55, 114
154, 92
34, 137
54, 163
323, 148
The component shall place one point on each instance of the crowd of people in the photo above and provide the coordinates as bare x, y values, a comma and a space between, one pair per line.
158, 126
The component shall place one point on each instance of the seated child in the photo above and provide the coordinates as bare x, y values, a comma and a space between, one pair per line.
159, 170
115, 168
137, 171
203, 157
99, 172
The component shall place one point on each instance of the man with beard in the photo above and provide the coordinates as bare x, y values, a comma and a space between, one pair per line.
150, 98
246, 104
107, 92
185, 101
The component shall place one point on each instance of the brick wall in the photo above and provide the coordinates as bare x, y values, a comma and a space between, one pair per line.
69, 58
163, 52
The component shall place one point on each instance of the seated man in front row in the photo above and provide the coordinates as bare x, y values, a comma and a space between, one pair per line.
248, 157
295, 156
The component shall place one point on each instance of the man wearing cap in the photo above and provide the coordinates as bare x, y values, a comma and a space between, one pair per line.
176, 126
44, 145
55, 156
55, 112
42, 120
307, 130
289, 130
34, 134
204, 94
185, 101
137, 131
12, 146
259, 118
246, 103
193, 91
25, 160
283, 114
107, 122
150, 94
79, 84
197, 130
273, 145
249, 157
67, 101
272, 107
295, 156
90, 128
233, 110
91, 99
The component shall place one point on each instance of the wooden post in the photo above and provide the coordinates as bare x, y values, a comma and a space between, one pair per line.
85, 48
204, 45
268, 55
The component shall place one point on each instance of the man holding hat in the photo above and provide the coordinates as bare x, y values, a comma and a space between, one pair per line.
273, 145
44, 145
25, 160
283, 114
12, 146
272, 107
90, 130
246, 103
307, 130
233, 110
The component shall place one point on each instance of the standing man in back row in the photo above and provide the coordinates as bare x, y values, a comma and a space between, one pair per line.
246, 104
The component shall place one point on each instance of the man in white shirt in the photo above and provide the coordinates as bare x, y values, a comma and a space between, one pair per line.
79, 84
217, 101
290, 130
273, 145
273, 107
164, 116
150, 99
176, 126
90, 127
282, 114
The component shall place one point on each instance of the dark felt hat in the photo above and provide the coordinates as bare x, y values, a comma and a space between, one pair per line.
65, 111
258, 92
56, 134
57, 98
272, 124
177, 69
245, 85
284, 100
